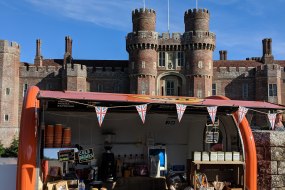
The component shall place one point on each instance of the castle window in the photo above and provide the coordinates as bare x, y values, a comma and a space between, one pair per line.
180, 58
100, 88
25, 88
133, 65
214, 89
6, 117
161, 59
7, 91
143, 64
210, 65
272, 90
143, 92
200, 64
199, 93
244, 90
169, 88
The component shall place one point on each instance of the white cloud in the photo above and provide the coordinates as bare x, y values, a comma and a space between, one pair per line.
110, 14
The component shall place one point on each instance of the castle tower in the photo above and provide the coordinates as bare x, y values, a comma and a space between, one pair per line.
267, 57
199, 46
9, 88
141, 45
38, 58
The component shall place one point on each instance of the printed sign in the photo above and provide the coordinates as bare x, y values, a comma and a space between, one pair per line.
66, 155
85, 155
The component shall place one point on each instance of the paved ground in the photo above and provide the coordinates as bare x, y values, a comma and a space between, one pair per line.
8, 168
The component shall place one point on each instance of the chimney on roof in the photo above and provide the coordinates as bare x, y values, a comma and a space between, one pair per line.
68, 50
267, 56
38, 58
223, 55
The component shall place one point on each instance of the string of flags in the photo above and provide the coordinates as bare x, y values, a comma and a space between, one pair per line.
180, 108
142, 109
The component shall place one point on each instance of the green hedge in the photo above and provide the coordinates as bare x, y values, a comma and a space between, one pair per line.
11, 151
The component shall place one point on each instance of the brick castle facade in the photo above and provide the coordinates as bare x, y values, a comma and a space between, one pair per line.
159, 64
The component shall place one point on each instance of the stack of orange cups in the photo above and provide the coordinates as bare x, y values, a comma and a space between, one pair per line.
49, 136
57, 136
66, 141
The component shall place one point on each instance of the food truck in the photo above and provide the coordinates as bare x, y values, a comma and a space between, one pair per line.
108, 141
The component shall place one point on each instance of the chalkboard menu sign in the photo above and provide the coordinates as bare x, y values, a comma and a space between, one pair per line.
66, 155
85, 155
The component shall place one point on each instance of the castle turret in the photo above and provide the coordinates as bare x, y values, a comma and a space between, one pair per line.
9, 87
38, 58
199, 46
141, 45
267, 57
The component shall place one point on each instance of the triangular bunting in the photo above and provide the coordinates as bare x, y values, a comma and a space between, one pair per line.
272, 117
101, 112
180, 110
212, 112
142, 111
241, 113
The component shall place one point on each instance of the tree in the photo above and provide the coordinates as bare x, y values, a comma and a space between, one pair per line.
2, 149
12, 150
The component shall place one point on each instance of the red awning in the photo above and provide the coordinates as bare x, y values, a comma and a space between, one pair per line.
113, 97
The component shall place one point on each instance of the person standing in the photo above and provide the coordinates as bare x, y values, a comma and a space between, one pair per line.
278, 126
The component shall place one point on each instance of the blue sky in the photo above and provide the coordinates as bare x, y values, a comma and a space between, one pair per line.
99, 27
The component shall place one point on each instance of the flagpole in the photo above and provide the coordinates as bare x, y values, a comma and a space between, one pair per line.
168, 15
197, 4
143, 4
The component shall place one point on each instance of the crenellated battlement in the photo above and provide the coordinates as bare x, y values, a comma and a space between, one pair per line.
198, 34
9, 47
76, 70
38, 71
138, 12
233, 72
142, 40
167, 36
194, 13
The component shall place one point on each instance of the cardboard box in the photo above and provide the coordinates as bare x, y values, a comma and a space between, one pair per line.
236, 156
213, 156
228, 156
205, 156
197, 156
221, 156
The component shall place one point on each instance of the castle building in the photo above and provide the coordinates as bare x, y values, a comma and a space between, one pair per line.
179, 64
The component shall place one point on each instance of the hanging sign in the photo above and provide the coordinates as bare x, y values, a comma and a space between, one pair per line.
142, 111
241, 113
66, 155
272, 117
101, 112
85, 155
180, 110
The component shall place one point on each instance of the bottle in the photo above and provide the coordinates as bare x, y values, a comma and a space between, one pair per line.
81, 185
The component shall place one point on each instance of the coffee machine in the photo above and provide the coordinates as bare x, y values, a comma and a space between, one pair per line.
108, 168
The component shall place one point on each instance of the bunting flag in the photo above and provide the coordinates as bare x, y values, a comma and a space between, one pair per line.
212, 112
142, 111
241, 113
272, 117
180, 110
101, 112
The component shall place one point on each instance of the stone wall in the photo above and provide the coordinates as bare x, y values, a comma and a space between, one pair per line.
270, 148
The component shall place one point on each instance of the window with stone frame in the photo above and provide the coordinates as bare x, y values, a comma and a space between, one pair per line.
214, 89
180, 58
272, 89
6, 117
100, 88
245, 91
161, 59
7, 91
